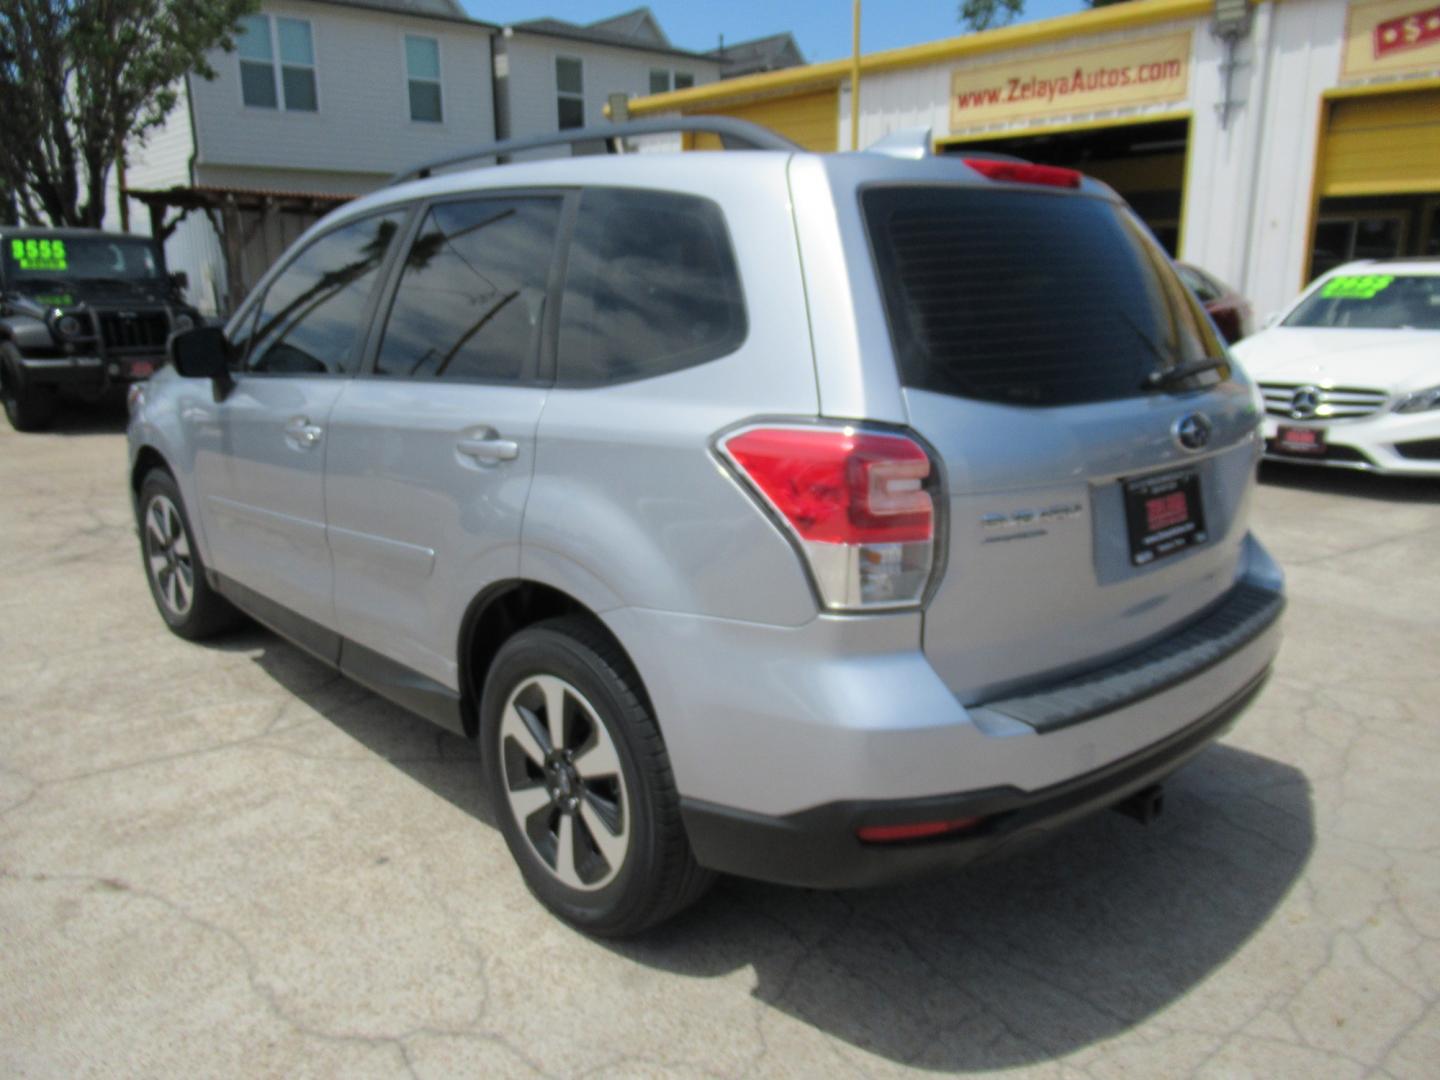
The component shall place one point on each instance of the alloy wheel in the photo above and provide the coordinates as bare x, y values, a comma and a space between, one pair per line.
564, 782
167, 554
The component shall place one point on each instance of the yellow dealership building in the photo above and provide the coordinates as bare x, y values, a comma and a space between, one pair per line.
1265, 142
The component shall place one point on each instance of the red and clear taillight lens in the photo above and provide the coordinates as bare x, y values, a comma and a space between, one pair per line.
857, 503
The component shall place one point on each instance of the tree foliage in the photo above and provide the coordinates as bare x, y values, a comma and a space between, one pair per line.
80, 80
983, 14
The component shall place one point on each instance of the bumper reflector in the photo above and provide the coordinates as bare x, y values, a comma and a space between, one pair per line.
919, 830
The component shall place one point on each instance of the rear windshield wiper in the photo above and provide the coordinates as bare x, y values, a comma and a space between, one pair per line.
1180, 372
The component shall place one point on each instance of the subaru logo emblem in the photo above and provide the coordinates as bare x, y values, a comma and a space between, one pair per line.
1193, 432
1305, 402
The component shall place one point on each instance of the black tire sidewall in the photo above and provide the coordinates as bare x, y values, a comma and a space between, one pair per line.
543, 651
28, 408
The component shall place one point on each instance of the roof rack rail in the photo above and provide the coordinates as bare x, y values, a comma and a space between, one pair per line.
734, 135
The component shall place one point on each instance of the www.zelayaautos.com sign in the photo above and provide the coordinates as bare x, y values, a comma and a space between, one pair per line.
1130, 73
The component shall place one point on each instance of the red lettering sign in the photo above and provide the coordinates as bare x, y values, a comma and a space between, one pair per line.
1407, 32
1165, 511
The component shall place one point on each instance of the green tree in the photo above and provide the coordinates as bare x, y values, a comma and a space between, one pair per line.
80, 80
983, 14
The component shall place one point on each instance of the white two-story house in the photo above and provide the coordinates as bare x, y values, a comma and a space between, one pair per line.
321, 100
552, 75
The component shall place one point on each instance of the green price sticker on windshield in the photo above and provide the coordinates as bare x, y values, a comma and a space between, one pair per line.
39, 254
1356, 286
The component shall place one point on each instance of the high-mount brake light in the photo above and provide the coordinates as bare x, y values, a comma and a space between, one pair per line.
1023, 172
856, 502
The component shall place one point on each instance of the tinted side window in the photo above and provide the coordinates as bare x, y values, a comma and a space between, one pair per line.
313, 314
472, 295
651, 287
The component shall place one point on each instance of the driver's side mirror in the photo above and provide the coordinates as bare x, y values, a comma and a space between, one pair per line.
203, 353
179, 281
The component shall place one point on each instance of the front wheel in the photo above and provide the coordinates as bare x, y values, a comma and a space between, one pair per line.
172, 564
580, 782
27, 407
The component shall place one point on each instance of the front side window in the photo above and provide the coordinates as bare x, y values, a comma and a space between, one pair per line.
422, 69
471, 300
659, 80
314, 312
651, 287
264, 84
570, 92
1025, 298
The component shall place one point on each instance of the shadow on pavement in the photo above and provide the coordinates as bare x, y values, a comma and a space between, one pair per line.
1361, 485
1003, 964
74, 416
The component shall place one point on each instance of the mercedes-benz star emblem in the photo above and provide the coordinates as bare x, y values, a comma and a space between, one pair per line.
1193, 432
1305, 402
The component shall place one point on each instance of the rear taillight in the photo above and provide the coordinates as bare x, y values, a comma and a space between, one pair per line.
1023, 172
857, 503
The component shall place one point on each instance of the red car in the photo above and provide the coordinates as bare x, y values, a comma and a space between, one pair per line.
1229, 309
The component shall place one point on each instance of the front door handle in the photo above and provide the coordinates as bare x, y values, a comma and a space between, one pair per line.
302, 434
489, 451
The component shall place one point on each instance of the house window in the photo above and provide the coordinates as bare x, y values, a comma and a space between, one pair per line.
659, 80
684, 80
264, 84
422, 68
570, 92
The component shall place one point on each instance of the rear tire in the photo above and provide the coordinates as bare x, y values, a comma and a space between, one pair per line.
28, 408
573, 756
172, 563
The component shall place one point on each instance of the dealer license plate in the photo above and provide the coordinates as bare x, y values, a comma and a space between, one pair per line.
1164, 515
1304, 441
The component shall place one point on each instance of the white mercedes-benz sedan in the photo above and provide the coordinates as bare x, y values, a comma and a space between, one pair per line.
1351, 371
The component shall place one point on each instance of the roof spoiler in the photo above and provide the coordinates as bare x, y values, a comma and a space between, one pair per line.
734, 135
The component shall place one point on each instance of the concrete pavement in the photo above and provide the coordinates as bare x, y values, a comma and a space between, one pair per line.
224, 860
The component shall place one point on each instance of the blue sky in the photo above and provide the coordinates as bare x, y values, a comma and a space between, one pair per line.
823, 30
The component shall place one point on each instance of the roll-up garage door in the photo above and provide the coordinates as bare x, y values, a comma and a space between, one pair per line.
1386, 144
811, 119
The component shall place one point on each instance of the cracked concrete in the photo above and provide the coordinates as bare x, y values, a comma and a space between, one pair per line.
226, 861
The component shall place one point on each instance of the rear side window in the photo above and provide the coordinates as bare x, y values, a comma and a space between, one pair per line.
471, 298
1029, 298
313, 314
651, 287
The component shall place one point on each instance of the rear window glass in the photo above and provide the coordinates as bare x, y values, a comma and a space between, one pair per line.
1029, 298
1372, 301
651, 287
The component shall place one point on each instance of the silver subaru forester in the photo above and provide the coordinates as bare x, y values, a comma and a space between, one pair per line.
825, 519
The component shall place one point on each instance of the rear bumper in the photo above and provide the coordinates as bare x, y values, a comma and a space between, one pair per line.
784, 740
819, 847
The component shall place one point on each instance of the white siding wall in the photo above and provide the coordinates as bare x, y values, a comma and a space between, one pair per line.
530, 82
162, 161
363, 124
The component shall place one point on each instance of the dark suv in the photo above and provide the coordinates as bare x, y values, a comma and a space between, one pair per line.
80, 310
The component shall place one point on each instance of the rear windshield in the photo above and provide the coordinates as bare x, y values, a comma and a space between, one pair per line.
1372, 302
1030, 298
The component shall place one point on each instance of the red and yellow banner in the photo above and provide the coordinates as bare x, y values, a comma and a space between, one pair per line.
1384, 36
1130, 73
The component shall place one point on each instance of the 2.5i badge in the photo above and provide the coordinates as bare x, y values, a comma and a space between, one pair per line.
1164, 515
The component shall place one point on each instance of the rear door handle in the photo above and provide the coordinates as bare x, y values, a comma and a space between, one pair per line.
302, 433
489, 451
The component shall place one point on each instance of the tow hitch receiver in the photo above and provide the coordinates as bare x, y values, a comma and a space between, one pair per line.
1145, 805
